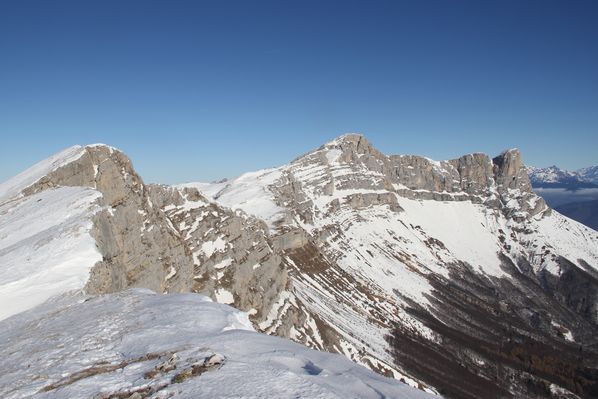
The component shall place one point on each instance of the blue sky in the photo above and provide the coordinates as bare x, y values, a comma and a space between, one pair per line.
195, 90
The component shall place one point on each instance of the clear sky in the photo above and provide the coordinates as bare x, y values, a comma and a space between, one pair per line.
194, 90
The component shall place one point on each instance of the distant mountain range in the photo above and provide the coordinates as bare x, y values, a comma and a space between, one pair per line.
555, 177
574, 194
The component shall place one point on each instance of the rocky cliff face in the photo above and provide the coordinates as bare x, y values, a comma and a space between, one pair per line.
233, 256
472, 177
432, 272
139, 246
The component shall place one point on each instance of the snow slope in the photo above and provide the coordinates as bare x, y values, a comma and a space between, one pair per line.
247, 192
163, 346
45, 246
565, 237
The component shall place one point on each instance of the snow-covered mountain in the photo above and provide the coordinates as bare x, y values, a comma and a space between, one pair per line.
589, 174
451, 276
419, 268
555, 177
574, 194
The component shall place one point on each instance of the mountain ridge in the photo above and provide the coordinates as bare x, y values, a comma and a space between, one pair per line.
555, 177
348, 250
308, 201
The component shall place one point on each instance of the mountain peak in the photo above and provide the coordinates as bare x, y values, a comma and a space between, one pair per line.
354, 142
510, 171
589, 174
347, 138
346, 148
510, 158
352, 146
102, 146
13, 187
96, 166
511, 153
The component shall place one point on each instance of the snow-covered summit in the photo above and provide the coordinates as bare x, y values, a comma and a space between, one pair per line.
551, 174
66, 221
351, 137
13, 186
102, 145
246, 192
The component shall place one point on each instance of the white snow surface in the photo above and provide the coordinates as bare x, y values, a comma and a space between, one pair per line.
45, 246
568, 238
248, 192
138, 341
209, 247
224, 296
589, 174
13, 187
466, 229
333, 155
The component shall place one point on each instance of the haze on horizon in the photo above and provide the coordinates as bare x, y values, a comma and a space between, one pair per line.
196, 91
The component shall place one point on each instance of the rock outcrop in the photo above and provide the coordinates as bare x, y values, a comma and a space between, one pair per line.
233, 257
472, 177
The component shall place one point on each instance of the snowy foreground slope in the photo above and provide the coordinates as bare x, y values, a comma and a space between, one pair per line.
140, 344
45, 246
